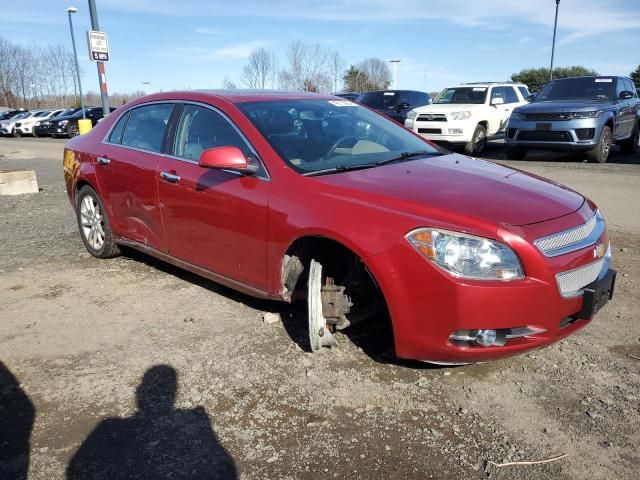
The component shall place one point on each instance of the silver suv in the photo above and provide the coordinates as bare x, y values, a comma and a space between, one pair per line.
578, 114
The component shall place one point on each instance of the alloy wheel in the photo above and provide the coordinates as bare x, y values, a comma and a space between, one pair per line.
480, 141
606, 145
92, 222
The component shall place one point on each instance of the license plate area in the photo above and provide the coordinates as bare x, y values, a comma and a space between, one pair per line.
543, 127
597, 294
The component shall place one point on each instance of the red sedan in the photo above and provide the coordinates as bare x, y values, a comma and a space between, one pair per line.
291, 195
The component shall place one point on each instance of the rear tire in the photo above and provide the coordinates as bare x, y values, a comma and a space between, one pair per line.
15, 133
94, 226
600, 154
515, 153
478, 141
632, 145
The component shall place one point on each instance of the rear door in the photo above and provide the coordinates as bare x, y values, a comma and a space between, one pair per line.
126, 170
215, 219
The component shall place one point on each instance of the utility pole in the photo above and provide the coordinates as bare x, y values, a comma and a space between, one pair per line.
101, 75
553, 45
395, 73
146, 87
71, 11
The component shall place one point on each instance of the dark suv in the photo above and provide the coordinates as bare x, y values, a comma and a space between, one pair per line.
67, 125
581, 114
395, 104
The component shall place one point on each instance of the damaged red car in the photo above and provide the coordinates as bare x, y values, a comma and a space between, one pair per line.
292, 195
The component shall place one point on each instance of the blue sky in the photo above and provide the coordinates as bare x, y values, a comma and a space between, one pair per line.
176, 44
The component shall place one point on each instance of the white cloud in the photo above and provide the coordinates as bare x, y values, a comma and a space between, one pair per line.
239, 50
210, 31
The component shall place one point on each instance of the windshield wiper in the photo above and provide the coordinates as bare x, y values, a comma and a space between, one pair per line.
408, 155
340, 168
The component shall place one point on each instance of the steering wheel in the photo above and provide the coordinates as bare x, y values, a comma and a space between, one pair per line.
337, 143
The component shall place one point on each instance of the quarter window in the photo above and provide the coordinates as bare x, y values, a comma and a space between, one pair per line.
201, 128
146, 126
116, 132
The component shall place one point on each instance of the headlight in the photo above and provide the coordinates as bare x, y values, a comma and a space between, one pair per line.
460, 115
412, 115
591, 114
63, 122
467, 256
517, 116
37, 124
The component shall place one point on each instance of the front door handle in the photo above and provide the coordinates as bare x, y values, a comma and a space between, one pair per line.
103, 161
170, 177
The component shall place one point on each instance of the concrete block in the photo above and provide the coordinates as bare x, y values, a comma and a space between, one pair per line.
17, 182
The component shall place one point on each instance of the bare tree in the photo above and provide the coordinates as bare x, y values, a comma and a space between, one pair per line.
259, 70
228, 84
377, 72
308, 67
337, 66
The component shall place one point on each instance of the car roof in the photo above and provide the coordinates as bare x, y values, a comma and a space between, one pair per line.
392, 90
235, 96
490, 84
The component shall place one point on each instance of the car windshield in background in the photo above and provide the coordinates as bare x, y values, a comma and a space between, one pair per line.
581, 88
378, 100
462, 95
325, 136
42, 114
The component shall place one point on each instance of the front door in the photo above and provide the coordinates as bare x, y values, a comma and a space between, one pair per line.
215, 219
126, 171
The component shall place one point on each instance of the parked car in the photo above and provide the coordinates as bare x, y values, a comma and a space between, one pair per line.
353, 96
67, 126
7, 114
581, 114
468, 114
290, 195
41, 127
25, 127
395, 104
7, 127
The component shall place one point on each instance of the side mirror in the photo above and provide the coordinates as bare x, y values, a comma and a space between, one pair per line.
625, 95
531, 97
497, 101
226, 158
402, 106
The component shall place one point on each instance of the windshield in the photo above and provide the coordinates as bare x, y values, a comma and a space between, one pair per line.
22, 115
378, 100
581, 88
460, 95
315, 135
42, 114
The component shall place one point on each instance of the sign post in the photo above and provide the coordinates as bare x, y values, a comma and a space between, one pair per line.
101, 54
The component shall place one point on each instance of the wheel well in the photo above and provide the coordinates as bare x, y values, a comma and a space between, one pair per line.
609, 124
484, 123
337, 261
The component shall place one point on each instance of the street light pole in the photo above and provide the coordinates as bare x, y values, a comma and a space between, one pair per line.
553, 45
146, 87
70, 11
395, 72
101, 75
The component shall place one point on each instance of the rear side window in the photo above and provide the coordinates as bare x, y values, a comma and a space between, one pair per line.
116, 132
146, 126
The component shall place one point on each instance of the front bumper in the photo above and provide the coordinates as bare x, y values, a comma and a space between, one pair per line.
427, 305
25, 129
449, 131
575, 135
57, 130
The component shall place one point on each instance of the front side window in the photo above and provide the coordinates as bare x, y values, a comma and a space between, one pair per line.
462, 95
201, 128
320, 135
146, 125
510, 95
524, 91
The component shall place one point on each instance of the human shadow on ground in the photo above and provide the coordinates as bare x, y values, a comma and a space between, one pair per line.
158, 442
17, 415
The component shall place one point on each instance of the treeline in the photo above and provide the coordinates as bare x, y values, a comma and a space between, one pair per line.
311, 67
44, 76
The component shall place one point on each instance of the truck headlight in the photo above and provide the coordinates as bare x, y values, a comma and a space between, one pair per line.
460, 115
517, 116
467, 256
412, 115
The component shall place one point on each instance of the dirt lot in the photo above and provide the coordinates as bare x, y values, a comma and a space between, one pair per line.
96, 347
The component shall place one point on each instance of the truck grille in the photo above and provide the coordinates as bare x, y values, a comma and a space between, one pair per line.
547, 116
430, 130
534, 136
571, 282
432, 117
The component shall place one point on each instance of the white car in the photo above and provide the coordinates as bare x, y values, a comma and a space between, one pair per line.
468, 114
7, 127
25, 126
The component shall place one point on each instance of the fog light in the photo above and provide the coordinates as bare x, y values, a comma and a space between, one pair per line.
486, 338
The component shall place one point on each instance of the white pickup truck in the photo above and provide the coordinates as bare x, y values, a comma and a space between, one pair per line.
468, 114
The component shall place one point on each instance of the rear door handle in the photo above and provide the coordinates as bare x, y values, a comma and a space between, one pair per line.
103, 161
170, 177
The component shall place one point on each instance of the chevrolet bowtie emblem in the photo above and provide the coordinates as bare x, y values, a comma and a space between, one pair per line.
598, 251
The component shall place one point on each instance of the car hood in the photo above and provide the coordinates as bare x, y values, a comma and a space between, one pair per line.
459, 184
449, 107
563, 106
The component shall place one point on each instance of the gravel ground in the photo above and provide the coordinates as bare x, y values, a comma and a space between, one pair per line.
132, 355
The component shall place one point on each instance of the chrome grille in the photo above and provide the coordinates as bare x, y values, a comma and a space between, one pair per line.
571, 282
432, 117
572, 239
